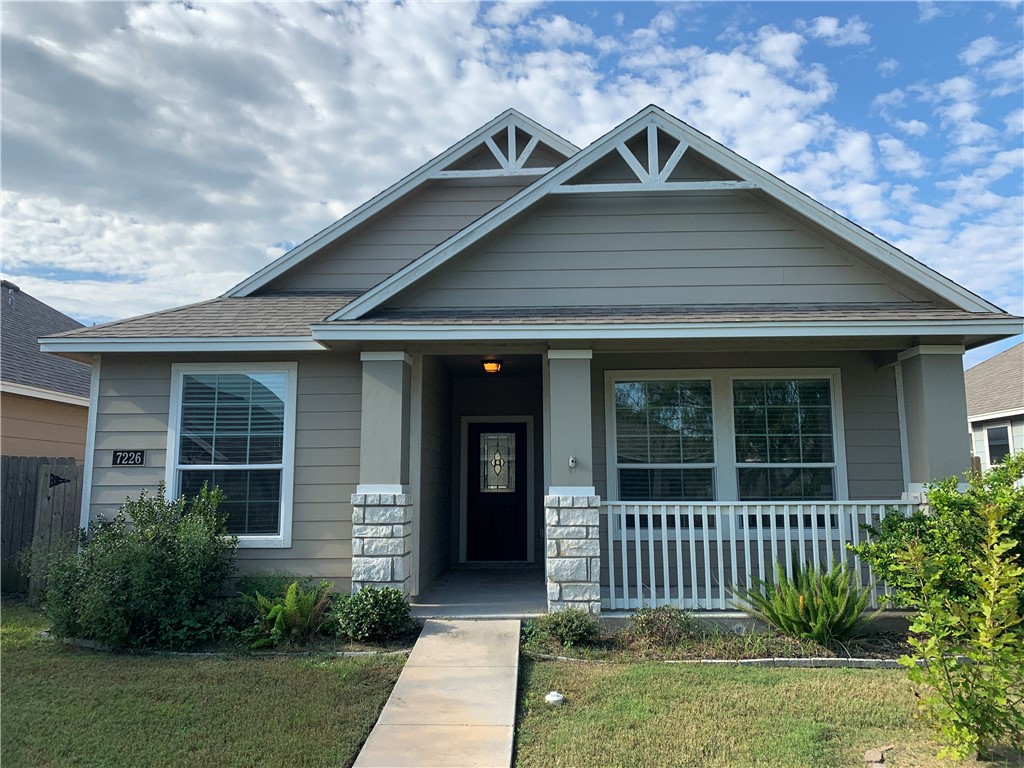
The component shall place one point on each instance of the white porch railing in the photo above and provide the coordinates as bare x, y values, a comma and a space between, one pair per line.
690, 554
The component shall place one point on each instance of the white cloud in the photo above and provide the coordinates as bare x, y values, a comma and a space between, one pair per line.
779, 49
510, 12
832, 32
928, 10
979, 50
555, 31
888, 67
911, 127
900, 159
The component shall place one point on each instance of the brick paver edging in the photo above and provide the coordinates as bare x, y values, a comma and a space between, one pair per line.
814, 662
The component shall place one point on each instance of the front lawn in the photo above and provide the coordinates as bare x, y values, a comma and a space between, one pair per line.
653, 714
69, 707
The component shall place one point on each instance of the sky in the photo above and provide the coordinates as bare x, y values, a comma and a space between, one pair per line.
157, 154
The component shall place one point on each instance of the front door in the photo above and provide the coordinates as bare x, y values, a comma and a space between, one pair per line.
496, 492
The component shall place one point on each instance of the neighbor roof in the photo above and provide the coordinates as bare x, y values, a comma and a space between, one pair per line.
995, 387
23, 319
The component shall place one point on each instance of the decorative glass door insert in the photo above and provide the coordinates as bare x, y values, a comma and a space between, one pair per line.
497, 462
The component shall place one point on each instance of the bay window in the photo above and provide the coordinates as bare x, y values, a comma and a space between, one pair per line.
233, 427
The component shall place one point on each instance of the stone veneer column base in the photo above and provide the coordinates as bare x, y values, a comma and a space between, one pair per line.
381, 540
573, 552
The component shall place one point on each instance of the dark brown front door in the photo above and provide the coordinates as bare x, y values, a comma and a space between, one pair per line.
496, 493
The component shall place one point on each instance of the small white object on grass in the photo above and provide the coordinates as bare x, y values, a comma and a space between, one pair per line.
554, 699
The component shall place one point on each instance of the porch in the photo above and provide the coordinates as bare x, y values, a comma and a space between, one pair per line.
692, 555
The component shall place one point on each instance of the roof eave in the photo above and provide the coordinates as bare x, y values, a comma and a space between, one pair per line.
355, 331
99, 345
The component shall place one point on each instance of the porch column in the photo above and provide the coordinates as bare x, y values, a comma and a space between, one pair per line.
382, 504
935, 413
571, 507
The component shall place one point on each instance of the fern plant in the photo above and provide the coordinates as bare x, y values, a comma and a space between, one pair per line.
824, 606
294, 618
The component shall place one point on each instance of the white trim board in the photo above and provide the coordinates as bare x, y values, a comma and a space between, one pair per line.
183, 344
509, 120
39, 393
1009, 413
650, 120
90, 442
354, 331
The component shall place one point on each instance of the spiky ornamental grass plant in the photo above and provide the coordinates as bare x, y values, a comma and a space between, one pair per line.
824, 606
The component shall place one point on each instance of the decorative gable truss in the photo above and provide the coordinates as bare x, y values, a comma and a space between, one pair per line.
652, 159
509, 145
656, 152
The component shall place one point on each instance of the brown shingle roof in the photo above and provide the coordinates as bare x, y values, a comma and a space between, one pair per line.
996, 384
270, 315
24, 320
728, 313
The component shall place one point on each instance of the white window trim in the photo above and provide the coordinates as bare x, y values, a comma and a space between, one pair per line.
984, 439
283, 539
726, 489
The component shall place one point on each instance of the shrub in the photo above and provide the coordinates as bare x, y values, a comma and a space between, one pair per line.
971, 705
815, 605
373, 615
293, 618
662, 627
148, 578
271, 583
570, 627
951, 534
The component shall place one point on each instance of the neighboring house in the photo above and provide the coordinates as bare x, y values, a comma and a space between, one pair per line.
44, 400
702, 371
995, 406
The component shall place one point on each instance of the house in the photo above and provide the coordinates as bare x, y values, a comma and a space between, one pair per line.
648, 366
44, 399
995, 406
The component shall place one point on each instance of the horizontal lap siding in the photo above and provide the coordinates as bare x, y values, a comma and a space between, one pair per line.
871, 417
399, 236
653, 249
36, 427
132, 412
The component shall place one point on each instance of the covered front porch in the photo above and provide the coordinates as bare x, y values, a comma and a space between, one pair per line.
644, 478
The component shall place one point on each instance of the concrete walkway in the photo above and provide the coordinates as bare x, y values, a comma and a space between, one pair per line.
455, 702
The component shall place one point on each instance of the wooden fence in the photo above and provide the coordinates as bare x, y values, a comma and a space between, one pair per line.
41, 499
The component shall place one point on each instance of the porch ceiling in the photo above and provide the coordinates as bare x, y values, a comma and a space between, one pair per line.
511, 365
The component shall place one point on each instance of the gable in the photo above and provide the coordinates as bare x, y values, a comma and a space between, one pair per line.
634, 249
509, 152
399, 235
665, 157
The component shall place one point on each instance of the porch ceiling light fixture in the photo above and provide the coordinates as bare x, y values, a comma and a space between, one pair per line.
491, 366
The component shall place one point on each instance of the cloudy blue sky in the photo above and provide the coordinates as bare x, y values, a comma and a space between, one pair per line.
157, 154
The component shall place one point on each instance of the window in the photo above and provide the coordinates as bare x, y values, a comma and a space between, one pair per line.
784, 439
997, 442
234, 428
665, 447
727, 435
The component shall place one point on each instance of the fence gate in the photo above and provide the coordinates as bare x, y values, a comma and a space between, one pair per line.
42, 501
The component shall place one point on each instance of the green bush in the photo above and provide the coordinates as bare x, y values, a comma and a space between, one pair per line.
951, 534
148, 578
662, 627
373, 615
293, 618
975, 703
570, 627
822, 606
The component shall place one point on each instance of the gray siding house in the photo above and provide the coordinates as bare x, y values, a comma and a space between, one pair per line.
995, 406
648, 368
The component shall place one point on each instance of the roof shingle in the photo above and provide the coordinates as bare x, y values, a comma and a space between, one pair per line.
996, 384
23, 319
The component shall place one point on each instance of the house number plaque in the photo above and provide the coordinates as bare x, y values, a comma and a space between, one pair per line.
129, 459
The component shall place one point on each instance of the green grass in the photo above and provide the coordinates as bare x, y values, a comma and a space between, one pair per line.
650, 714
63, 706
